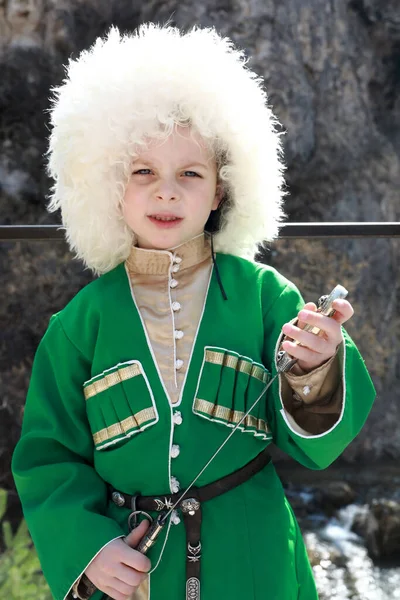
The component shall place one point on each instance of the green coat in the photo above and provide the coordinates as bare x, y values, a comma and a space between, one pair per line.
97, 412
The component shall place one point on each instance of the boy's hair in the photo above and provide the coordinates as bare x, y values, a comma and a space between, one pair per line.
126, 88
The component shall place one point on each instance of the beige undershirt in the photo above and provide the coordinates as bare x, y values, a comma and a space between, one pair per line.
171, 314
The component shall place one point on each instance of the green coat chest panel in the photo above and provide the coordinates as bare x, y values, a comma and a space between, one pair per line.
125, 458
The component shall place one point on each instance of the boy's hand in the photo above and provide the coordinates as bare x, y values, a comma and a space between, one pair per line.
316, 349
118, 570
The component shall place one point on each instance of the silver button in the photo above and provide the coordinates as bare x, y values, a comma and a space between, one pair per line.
297, 397
306, 390
175, 268
178, 417
178, 364
175, 451
177, 259
175, 519
173, 283
178, 334
118, 499
176, 306
175, 485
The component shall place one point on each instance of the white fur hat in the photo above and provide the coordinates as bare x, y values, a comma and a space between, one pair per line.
123, 89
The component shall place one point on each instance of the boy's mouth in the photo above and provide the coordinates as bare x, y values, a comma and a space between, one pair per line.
165, 217
165, 221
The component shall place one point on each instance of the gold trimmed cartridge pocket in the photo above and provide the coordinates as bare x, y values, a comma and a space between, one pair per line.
119, 404
229, 384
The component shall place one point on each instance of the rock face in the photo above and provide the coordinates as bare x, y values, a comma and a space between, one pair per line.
333, 78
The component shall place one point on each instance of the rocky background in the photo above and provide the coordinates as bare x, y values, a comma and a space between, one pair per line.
332, 71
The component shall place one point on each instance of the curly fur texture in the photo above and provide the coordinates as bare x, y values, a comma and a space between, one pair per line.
127, 87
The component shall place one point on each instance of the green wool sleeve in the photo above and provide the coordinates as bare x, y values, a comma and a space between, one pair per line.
63, 498
358, 393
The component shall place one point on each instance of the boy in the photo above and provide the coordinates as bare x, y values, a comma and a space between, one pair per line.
163, 149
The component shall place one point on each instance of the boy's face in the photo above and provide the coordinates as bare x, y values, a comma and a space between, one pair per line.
172, 190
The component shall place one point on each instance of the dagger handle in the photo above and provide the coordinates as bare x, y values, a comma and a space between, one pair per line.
325, 308
151, 535
283, 360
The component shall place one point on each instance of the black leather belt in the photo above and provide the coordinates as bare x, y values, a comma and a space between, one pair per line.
190, 507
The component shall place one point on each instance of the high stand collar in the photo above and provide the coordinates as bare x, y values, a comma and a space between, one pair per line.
158, 262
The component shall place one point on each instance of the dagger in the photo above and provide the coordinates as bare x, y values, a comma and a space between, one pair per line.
284, 363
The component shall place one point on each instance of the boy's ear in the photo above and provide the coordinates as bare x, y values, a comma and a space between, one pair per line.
219, 193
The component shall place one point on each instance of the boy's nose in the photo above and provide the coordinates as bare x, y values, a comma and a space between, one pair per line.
167, 192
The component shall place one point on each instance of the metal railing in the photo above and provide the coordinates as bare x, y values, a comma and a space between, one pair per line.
288, 230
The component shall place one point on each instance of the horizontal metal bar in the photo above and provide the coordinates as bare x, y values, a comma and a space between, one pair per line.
288, 230
334, 230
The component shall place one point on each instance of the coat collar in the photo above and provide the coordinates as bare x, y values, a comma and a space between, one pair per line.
158, 262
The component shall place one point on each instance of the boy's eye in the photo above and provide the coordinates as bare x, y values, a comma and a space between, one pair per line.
141, 172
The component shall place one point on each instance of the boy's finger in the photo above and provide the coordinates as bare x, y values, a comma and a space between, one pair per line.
327, 324
314, 342
308, 306
344, 310
134, 537
301, 352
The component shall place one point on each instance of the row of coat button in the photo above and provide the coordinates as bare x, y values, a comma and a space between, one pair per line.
178, 334
175, 451
177, 417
